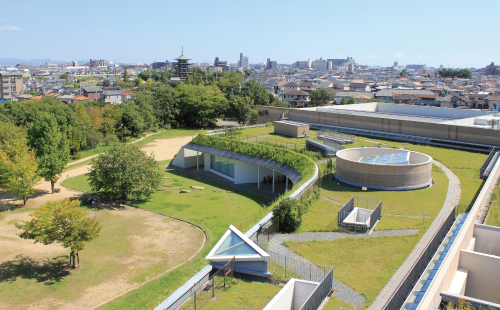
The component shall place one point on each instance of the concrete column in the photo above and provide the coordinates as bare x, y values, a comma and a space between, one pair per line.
273, 181
197, 161
258, 176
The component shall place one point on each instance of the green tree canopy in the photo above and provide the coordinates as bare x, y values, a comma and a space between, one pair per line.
126, 79
242, 108
51, 146
290, 215
320, 97
351, 101
199, 105
164, 104
256, 92
18, 169
62, 222
125, 172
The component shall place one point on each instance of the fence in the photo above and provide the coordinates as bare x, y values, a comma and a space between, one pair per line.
342, 138
284, 267
362, 216
334, 145
397, 299
488, 164
325, 150
207, 291
319, 294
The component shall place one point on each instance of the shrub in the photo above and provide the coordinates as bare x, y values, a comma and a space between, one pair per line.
290, 214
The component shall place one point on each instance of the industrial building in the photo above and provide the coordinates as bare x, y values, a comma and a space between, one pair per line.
466, 129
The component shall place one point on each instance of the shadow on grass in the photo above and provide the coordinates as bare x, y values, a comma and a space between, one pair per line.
47, 272
170, 169
475, 196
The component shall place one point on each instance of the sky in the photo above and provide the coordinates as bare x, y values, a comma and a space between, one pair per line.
455, 34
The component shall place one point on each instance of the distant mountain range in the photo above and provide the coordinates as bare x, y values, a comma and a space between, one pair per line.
33, 62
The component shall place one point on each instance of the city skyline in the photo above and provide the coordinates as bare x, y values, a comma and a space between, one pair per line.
375, 34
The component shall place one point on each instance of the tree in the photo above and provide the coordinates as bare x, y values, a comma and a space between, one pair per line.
125, 172
290, 215
256, 92
320, 97
18, 169
242, 107
351, 101
125, 77
343, 101
51, 146
164, 104
199, 105
62, 222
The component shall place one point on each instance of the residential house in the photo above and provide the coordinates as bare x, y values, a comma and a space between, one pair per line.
113, 96
295, 96
407, 99
364, 87
460, 101
426, 96
126, 96
290, 87
358, 96
92, 92
307, 86
444, 102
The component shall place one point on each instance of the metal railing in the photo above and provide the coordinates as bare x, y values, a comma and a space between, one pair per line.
405, 287
319, 294
488, 164
340, 137
220, 279
284, 267
362, 203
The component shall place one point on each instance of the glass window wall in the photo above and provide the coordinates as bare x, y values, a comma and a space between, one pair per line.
222, 164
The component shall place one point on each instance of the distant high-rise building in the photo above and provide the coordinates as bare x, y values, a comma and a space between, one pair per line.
243, 62
395, 64
491, 69
12, 84
271, 65
182, 66
222, 64
160, 65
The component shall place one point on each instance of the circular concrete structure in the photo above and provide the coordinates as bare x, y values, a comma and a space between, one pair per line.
384, 169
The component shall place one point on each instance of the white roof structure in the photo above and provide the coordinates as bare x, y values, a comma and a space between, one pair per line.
235, 244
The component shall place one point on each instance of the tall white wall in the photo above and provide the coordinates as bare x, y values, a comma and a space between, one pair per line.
179, 159
284, 298
302, 291
483, 279
487, 239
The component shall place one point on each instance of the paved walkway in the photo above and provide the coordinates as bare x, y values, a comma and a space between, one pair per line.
452, 199
342, 291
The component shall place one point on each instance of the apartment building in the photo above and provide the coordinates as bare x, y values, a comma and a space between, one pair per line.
12, 84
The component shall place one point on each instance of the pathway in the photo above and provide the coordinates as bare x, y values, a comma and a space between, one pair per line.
95, 155
341, 290
254, 139
452, 199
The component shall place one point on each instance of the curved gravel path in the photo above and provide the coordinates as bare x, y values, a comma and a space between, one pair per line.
341, 290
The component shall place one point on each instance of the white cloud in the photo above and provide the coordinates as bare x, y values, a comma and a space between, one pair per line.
3, 20
9, 28
400, 56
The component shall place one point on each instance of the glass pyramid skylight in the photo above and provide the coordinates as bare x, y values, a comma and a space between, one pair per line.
235, 244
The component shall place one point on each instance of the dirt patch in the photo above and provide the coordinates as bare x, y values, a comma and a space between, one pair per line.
164, 149
155, 245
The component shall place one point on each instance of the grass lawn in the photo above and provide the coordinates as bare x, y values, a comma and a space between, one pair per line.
336, 304
213, 211
240, 294
464, 164
115, 256
322, 216
255, 132
365, 264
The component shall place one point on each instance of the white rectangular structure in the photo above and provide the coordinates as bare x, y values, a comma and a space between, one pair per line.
292, 296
